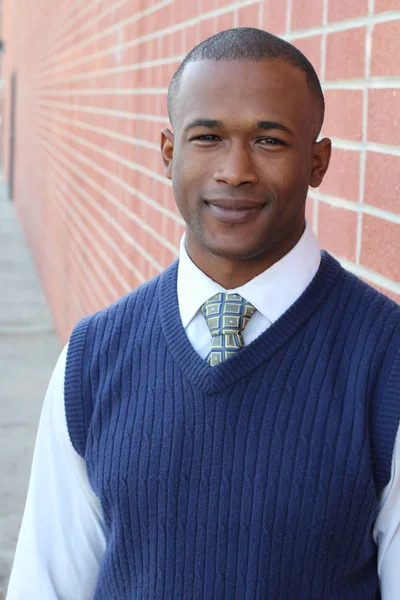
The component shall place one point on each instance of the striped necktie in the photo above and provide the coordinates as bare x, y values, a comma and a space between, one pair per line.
226, 316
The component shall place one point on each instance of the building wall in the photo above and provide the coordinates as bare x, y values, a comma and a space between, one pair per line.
92, 77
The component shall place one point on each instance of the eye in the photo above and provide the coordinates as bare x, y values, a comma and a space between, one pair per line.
208, 137
270, 141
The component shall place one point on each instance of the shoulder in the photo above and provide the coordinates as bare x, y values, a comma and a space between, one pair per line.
372, 324
369, 302
99, 343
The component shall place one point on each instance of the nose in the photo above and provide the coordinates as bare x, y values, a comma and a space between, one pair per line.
236, 167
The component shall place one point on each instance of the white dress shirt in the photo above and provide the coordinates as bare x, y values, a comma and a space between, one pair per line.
62, 539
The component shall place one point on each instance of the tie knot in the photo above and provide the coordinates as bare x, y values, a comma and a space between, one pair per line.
227, 314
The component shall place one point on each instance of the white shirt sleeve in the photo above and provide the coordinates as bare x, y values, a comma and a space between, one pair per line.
387, 531
61, 541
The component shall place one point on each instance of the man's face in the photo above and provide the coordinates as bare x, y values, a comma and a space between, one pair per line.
242, 157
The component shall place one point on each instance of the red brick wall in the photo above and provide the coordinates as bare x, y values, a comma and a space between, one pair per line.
92, 79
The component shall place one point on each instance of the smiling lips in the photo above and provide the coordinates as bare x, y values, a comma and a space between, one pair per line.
234, 211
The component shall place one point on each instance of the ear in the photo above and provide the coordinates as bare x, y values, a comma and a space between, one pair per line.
167, 151
320, 161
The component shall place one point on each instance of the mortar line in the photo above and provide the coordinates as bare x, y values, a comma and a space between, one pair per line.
77, 237
114, 201
289, 8
94, 224
68, 180
363, 155
159, 33
300, 33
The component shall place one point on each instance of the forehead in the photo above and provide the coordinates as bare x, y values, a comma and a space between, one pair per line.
244, 91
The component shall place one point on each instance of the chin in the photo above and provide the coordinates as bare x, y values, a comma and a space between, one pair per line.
231, 250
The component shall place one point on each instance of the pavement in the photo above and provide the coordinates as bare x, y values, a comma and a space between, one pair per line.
28, 352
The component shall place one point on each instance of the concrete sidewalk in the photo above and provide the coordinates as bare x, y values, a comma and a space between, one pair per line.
28, 351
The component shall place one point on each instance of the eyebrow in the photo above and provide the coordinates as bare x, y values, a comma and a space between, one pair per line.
214, 124
274, 125
209, 123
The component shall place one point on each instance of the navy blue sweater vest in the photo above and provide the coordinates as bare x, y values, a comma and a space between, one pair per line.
254, 479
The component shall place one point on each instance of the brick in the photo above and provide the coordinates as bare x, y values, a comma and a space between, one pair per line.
192, 36
249, 16
184, 10
380, 241
170, 43
274, 16
343, 116
144, 25
207, 5
311, 48
306, 13
337, 230
385, 5
382, 181
342, 179
123, 12
383, 116
386, 49
225, 21
207, 28
345, 54
164, 17
341, 10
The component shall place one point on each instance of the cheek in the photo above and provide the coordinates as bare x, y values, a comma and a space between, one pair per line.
290, 178
189, 178
185, 192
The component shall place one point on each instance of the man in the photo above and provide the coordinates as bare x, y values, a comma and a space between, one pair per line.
227, 430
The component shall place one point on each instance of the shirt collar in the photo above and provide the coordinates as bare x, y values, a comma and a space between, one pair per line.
271, 293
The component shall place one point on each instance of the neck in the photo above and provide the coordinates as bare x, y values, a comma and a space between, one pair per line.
232, 273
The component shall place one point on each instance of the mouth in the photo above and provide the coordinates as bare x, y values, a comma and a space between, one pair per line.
234, 211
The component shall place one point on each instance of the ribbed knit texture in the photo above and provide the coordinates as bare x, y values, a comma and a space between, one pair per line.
254, 479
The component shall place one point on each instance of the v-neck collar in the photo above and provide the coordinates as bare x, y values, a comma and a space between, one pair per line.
214, 379
271, 292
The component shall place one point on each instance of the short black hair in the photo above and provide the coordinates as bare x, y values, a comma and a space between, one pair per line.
249, 43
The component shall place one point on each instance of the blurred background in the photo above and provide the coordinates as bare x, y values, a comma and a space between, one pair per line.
83, 194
